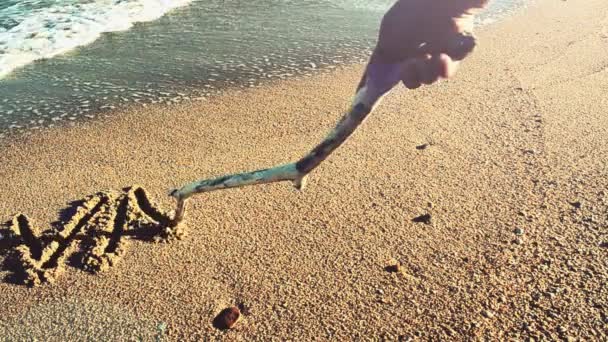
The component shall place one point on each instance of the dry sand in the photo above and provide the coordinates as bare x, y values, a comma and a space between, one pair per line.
514, 178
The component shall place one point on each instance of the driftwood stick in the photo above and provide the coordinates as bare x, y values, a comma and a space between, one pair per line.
363, 104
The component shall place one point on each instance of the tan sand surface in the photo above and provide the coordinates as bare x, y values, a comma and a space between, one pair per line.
515, 179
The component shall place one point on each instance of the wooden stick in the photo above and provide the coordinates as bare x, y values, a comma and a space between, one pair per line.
365, 101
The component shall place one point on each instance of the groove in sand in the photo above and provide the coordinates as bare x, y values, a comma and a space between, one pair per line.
100, 222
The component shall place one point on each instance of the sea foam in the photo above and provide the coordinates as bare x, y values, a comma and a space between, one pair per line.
44, 32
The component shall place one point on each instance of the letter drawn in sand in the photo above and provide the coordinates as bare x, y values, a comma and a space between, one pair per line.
93, 238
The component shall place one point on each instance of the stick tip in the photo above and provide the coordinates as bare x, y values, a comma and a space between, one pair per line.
300, 182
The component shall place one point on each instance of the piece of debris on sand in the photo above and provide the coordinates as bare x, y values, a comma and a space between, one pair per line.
426, 218
227, 318
393, 266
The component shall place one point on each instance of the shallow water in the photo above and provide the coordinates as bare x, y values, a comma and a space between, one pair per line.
189, 53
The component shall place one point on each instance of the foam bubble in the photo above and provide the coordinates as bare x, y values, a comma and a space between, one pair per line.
37, 33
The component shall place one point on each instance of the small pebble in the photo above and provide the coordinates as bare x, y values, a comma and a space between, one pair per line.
487, 314
227, 318
590, 219
576, 204
393, 266
422, 147
161, 327
426, 218
518, 231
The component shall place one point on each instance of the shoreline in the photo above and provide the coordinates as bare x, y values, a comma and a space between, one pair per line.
512, 177
130, 109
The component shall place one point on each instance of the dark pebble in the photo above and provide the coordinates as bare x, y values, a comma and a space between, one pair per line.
393, 266
227, 318
426, 218
576, 204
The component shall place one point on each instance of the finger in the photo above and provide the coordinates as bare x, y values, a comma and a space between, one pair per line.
460, 46
455, 45
409, 75
447, 66
468, 5
431, 69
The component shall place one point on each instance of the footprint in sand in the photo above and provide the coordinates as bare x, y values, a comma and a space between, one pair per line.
93, 238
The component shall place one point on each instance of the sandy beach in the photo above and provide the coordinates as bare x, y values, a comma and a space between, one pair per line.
509, 159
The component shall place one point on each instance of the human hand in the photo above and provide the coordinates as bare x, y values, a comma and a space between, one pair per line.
422, 41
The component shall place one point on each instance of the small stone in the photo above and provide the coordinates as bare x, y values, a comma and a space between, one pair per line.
487, 314
589, 219
422, 147
604, 244
518, 231
161, 327
393, 266
227, 318
450, 331
576, 204
384, 301
426, 219
380, 291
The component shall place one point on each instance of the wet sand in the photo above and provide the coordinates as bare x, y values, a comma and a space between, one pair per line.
509, 159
